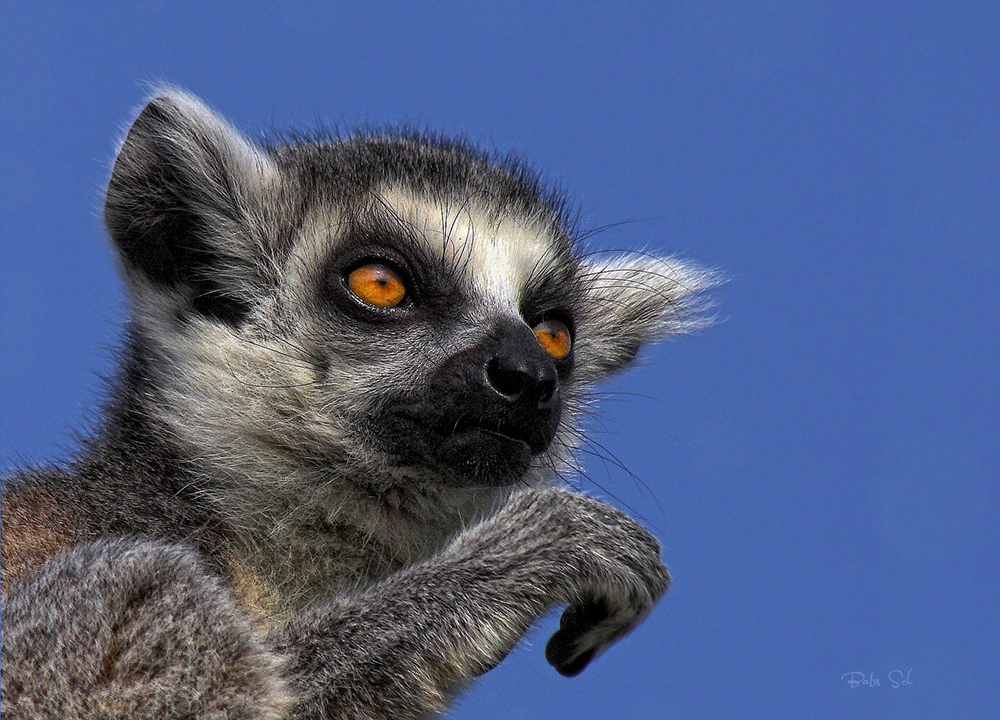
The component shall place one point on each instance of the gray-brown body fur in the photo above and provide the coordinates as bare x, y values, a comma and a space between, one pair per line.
241, 537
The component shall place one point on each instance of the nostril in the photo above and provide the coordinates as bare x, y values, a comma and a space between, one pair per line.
546, 393
509, 382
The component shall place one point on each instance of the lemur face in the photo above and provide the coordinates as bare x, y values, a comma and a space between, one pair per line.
461, 318
405, 306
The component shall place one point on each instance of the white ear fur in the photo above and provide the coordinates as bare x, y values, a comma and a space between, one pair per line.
186, 201
196, 131
633, 299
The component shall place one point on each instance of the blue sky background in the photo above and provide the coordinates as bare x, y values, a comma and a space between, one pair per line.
826, 458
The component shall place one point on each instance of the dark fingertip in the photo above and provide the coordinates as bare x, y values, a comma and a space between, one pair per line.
561, 653
577, 665
559, 648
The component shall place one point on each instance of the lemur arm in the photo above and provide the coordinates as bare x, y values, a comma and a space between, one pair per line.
401, 648
129, 628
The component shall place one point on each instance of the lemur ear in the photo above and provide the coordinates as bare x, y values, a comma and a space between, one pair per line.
634, 299
184, 203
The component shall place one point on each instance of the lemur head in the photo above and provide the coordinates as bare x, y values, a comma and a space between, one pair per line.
402, 306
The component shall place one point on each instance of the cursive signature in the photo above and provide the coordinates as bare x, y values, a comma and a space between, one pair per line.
897, 679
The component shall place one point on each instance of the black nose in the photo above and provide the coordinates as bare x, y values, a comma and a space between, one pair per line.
524, 378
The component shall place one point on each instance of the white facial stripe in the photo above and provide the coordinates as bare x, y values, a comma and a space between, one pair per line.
498, 254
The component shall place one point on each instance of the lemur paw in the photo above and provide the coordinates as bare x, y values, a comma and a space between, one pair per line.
627, 578
608, 571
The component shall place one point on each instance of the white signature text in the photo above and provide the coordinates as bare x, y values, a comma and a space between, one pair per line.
896, 679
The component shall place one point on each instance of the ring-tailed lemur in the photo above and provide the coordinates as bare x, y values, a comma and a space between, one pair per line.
324, 480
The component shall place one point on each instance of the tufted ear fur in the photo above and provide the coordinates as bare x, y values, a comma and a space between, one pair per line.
186, 204
634, 299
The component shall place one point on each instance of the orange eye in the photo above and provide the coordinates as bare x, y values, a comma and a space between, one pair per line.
554, 338
377, 285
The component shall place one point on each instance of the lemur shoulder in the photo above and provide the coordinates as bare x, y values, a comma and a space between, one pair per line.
327, 478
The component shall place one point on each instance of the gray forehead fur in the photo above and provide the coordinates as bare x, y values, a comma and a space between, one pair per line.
333, 168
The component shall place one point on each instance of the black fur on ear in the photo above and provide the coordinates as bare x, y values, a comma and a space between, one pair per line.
633, 299
184, 204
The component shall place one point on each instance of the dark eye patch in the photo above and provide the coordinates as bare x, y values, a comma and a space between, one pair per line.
556, 294
434, 291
